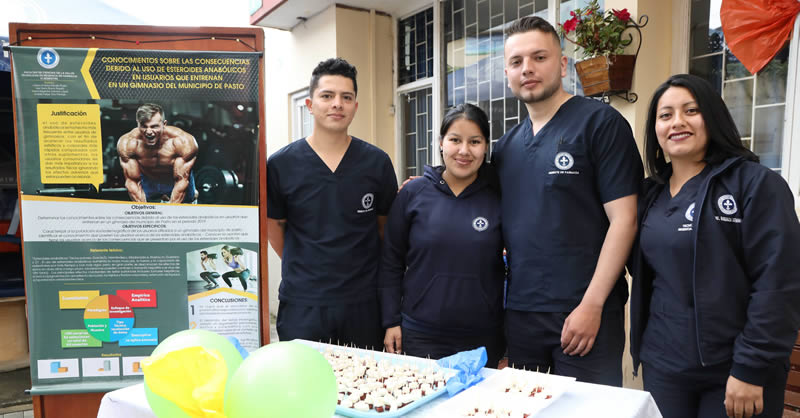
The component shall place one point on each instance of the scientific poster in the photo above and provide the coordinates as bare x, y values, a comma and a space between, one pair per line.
132, 164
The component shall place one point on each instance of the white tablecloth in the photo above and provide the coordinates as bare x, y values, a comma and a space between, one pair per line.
581, 400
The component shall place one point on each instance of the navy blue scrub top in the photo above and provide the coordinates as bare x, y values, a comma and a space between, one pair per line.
670, 338
331, 246
553, 189
441, 262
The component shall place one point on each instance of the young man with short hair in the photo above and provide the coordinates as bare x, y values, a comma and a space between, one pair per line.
569, 175
327, 200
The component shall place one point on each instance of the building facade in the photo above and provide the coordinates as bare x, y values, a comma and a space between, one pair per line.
416, 58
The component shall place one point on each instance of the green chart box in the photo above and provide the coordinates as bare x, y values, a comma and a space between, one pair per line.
78, 338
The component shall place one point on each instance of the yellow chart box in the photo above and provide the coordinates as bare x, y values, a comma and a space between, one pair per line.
70, 145
76, 299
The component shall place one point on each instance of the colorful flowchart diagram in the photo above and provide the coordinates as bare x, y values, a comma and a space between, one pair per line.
108, 318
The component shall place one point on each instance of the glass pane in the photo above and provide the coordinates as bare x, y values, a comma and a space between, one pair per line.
738, 97
421, 138
449, 90
415, 46
511, 107
771, 81
541, 8
483, 16
447, 15
706, 30
511, 10
768, 135
498, 78
510, 123
411, 150
470, 15
458, 25
429, 99
709, 68
483, 91
410, 113
496, 118
483, 70
421, 155
431, 145
472, 83
496, 7
459, 96
734, 68
497, 20
419, 25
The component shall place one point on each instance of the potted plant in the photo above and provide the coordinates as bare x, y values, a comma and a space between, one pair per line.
599, 35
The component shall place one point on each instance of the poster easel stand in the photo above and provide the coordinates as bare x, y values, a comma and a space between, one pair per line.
248, 39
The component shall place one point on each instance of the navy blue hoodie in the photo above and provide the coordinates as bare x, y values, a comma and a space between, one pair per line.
442, 264
746, 270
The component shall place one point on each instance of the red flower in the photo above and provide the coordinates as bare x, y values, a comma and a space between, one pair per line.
570, 25
572, 13
622, 15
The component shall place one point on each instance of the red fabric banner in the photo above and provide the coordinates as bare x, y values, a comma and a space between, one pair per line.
755, 30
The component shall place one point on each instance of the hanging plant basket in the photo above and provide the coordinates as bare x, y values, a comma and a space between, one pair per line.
603, 75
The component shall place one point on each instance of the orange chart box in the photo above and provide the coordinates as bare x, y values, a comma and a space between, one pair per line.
76, 299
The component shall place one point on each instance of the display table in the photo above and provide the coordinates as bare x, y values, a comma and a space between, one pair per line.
581, 400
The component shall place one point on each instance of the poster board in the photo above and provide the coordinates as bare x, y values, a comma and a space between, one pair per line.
122, 46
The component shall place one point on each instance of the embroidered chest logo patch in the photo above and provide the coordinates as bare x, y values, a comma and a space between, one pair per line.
727, 204
690, 213
480, 224
367, 200
564, 160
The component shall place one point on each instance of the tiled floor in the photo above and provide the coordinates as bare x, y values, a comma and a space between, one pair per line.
27, 413
13, 399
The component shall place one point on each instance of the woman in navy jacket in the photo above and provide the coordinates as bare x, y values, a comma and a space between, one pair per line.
715, 300
441, 277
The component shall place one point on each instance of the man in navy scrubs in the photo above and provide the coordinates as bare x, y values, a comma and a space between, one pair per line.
327, 200
569, 175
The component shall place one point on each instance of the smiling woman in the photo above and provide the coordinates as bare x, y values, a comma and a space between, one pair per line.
441, 278
705, 355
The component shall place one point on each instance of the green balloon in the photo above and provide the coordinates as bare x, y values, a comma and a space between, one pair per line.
161, 407
284, 379
205, 339
164, 408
